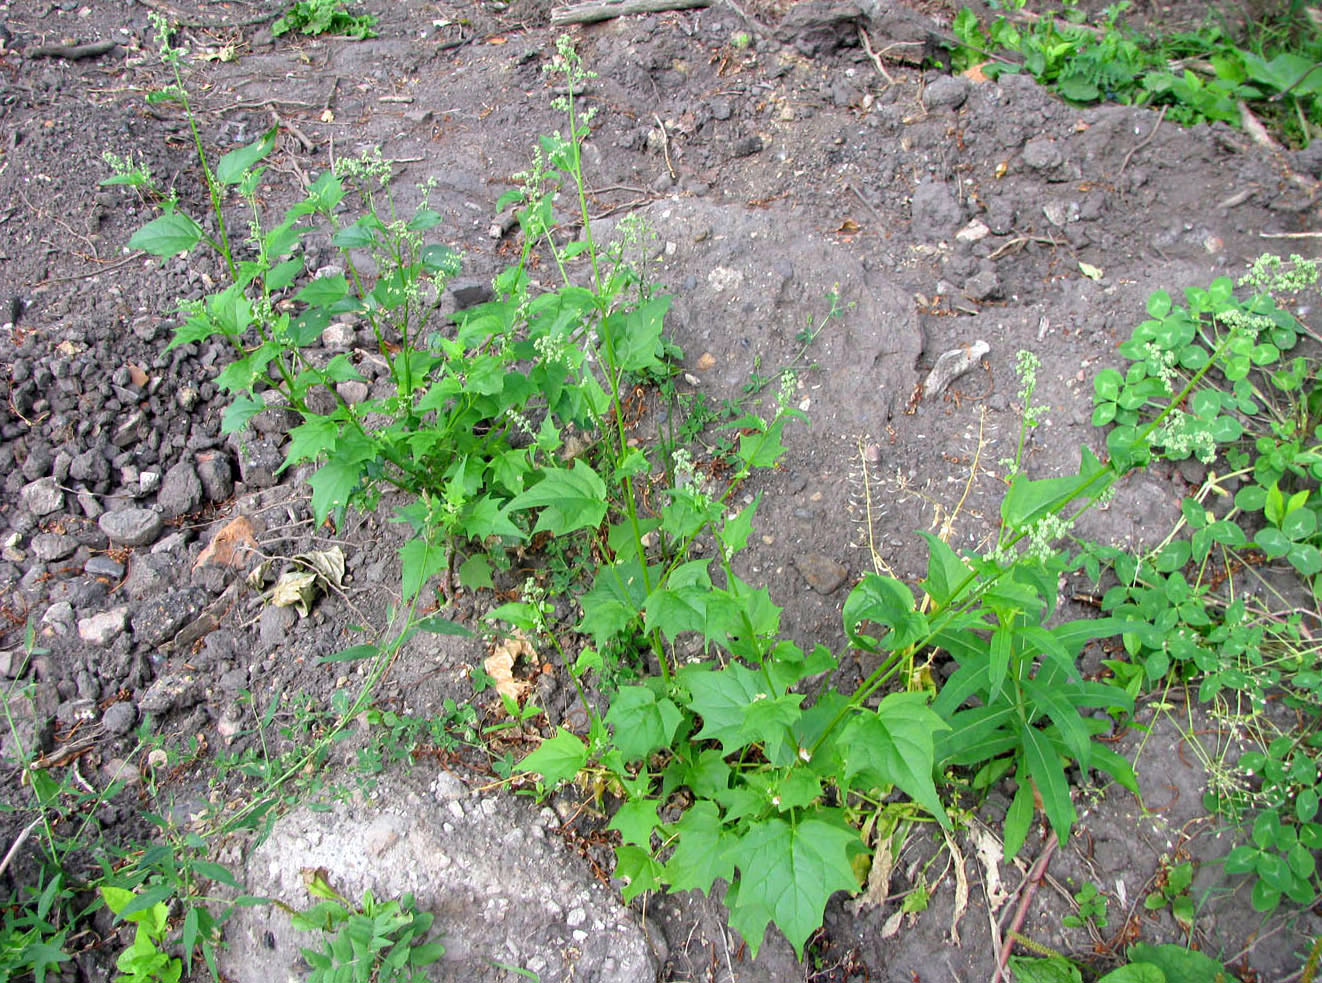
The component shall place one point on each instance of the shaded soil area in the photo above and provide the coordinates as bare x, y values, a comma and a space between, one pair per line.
779, 167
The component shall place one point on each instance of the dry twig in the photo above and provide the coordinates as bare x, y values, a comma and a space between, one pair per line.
1142, 143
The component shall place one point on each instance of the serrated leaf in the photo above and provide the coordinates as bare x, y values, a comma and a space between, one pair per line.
485, 517
616, 598
570, 499
558, 759
324, 290
638, 869
636, 334
635, 821
642, 722
168, 235
945, 570
702, 852
887, 602
239, 412
894, 746
788, 872
722, 698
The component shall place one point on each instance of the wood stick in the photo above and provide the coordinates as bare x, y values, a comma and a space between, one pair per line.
597, 10
70, 52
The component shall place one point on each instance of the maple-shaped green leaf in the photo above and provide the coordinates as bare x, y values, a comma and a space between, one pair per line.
722, 698
239, 412
702, 851
485, 517
616, 598
635, 821
888, 602
894, 746
638, 869
636, 335
642, 722
680, 605
790, 871
570, 499
558, 759
310, 439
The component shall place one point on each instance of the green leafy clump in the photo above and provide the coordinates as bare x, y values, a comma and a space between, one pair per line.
313, 17
1254, 422
1201, 76
372, 942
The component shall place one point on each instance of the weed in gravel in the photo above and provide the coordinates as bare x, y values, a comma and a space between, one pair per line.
475, 428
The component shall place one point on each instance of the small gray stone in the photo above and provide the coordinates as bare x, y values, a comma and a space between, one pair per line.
934, 211
52, 546
130, 431
148, 482
352, 391
275, 624
59, 617
278, 419
259, 459
983, 286
747, 146
217, 476
91, 466
823, 574
131, 527
90, 506
339, 337
102, 629
119, 718
181, 490
101, 565
1042, 154
173, 691
42, 497
720, 109
470, 293
948, 91
159, 618
119, 770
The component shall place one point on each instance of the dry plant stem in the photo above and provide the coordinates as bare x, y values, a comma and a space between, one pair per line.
294, 131
597, 10
665, 146
876, 58
18, 842
1142, 143
1031, 883
70, 52
1290, 235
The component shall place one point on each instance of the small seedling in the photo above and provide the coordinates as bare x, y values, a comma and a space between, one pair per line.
325, 17
1092, 908
1173, 892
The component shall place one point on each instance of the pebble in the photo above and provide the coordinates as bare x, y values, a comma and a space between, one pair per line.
119, 770
52, 546
217, 476
132, 527
101, 565
101, 629
59, 617
42, 497
1042, 154
947, 91
173, 691
158, 619
747, 146
983, 286
823, 574
181, 491
275, 624
934, 211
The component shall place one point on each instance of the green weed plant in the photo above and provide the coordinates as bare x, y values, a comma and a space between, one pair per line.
742, 763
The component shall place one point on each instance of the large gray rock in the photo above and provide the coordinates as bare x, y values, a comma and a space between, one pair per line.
42, 497
131, 527
502, 889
